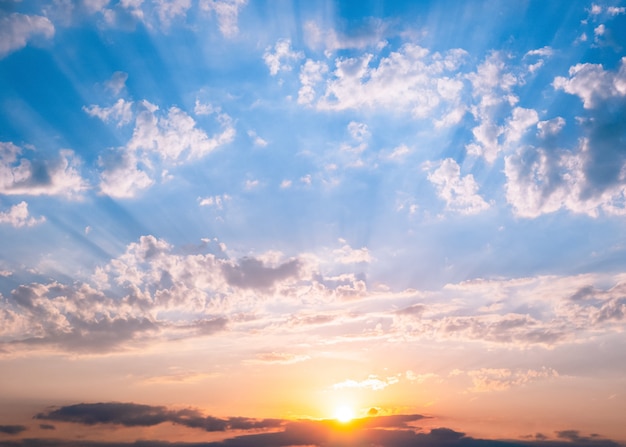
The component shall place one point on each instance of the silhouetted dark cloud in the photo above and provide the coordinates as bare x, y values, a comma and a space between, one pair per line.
137, 415
12, 429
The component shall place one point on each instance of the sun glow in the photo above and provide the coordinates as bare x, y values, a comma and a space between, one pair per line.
344, 414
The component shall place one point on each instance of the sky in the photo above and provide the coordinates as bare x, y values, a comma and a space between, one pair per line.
312, 223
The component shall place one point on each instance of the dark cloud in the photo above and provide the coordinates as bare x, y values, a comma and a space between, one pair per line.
137, 415
253, 274
47, 427
328, 433
12, 429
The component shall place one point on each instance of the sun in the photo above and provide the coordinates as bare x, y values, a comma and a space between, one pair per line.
344, 414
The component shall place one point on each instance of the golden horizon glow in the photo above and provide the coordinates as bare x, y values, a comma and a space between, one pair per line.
344, 414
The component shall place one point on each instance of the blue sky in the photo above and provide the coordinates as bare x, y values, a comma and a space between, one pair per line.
330, 183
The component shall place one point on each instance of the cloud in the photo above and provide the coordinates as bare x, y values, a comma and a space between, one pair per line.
159, 140
349, 255
281, 358
17, 29
370, 34
137, 415
589, 178
500, 379
117, 83
12, 429
252, 273
409, 79
18, 216
372, 382
459, 193
282, 57
593, 84
227, 12
120, 112
25, 176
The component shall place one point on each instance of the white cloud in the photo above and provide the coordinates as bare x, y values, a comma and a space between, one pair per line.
21, 175
593, 84
215, 201
358, 131
285, 184
256, 140
550, 127
492, 85
117, 83
349, 255
174, 135
94, 6
540, 182
500, 379
227, 12
121, 176
159, 140
329, 40
169, 10
520, 121
311, 74
18, 216
120, 112
616, 10
407, 79
282, 57
17, 29
372, 382
459, 193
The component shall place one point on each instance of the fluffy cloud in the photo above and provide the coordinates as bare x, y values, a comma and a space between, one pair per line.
459, 193
282, 57
159, 140
120, 112
593, 84
22, 175
369, 35
589, 178
559, 310
349, 255
408, 79
17, 29
18, 216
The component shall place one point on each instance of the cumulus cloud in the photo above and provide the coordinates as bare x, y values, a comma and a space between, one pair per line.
120, 112
282, 57
159, 140
18, 216
410, 79
593, 84
459, 193
589, 178
16, 30
35, 176
349, 255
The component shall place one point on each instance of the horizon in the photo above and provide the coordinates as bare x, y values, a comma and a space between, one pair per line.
248, 222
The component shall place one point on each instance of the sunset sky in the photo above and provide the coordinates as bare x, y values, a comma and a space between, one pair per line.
235, 222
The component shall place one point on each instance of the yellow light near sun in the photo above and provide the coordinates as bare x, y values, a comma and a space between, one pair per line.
344, 414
